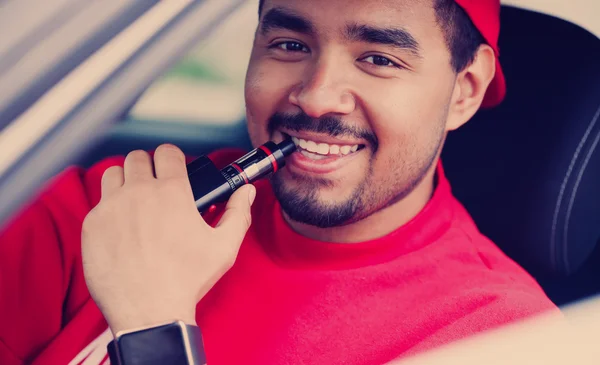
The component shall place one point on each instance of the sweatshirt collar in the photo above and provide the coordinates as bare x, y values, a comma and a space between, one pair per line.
290, 249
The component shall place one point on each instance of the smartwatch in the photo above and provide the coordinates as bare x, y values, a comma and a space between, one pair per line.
174, 343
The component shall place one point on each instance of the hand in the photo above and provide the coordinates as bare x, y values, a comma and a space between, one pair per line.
148, 255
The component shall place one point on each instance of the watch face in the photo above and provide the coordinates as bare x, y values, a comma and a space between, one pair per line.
159, 345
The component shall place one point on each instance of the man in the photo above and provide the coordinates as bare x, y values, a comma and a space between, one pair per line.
357, 252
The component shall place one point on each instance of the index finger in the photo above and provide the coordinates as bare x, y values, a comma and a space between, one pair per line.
169, 162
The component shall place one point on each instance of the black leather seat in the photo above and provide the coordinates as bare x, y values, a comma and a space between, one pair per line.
529, 170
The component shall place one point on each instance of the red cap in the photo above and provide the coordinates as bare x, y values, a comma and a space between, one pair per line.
485, 14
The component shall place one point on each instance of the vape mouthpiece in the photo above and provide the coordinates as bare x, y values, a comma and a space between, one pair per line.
287, 147
211, 185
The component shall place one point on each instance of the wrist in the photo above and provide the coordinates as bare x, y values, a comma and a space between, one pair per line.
173, 343
139, 322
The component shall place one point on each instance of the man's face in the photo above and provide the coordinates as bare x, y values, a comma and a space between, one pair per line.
365, 85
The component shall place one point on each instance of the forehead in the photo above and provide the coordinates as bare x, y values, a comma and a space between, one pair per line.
330, 16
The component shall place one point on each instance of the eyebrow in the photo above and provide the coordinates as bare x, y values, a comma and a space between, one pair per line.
395, 37
278, 18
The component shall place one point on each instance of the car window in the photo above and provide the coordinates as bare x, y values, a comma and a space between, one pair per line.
197, 104
206, 86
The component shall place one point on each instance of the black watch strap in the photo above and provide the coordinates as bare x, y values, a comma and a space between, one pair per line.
175, 343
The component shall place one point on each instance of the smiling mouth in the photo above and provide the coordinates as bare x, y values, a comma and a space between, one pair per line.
316, 150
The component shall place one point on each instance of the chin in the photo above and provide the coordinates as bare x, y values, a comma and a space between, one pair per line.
306, 201
291, 180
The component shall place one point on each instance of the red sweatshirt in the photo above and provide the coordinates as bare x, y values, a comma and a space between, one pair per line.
287, 300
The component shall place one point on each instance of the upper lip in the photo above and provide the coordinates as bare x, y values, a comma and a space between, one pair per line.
321, 138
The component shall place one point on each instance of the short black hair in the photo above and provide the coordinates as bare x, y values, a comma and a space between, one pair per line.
463, 39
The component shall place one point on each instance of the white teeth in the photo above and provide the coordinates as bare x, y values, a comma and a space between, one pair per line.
324, 148
312, 156
312, 146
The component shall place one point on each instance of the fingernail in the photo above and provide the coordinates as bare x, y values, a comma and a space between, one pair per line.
252, 194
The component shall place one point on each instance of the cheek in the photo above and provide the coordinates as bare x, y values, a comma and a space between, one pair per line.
257, 112
406, 115
266, 92
409, 129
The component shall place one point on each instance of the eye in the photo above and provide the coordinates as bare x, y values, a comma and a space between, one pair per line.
380, 61
290, 46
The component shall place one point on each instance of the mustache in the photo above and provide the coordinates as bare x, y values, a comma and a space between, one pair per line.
329, 125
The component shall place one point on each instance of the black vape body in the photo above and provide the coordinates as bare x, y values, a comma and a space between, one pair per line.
211, 185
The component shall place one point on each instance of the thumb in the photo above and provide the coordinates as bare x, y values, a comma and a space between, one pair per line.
237, 217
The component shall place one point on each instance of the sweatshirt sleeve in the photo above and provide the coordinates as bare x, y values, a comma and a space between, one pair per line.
31, 285
42, 286
500, 306
41, 276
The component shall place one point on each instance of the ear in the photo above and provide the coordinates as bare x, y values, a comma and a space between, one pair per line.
470, 87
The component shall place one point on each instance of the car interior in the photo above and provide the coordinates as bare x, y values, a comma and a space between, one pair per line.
528, 171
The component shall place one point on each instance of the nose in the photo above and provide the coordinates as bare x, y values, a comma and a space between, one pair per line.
323, 91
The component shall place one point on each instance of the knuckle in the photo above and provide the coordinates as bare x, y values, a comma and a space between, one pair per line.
172, 186
170, 150
177, 187
112, 172
89, 222
141, 191
137, 156
247, 218
243, 215
229, 259
230, 262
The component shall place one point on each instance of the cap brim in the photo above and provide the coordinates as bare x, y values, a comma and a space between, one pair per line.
497, 89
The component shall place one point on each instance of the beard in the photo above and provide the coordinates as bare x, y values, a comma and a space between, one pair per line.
302, 203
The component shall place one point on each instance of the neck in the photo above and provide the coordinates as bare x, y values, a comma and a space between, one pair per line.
378, 224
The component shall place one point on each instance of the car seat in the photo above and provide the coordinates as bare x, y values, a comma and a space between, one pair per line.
528, 171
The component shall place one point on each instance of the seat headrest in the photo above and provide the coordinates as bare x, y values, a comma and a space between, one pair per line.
528, 171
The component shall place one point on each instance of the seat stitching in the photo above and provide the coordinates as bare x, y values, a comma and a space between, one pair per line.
564, 186
574, 194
